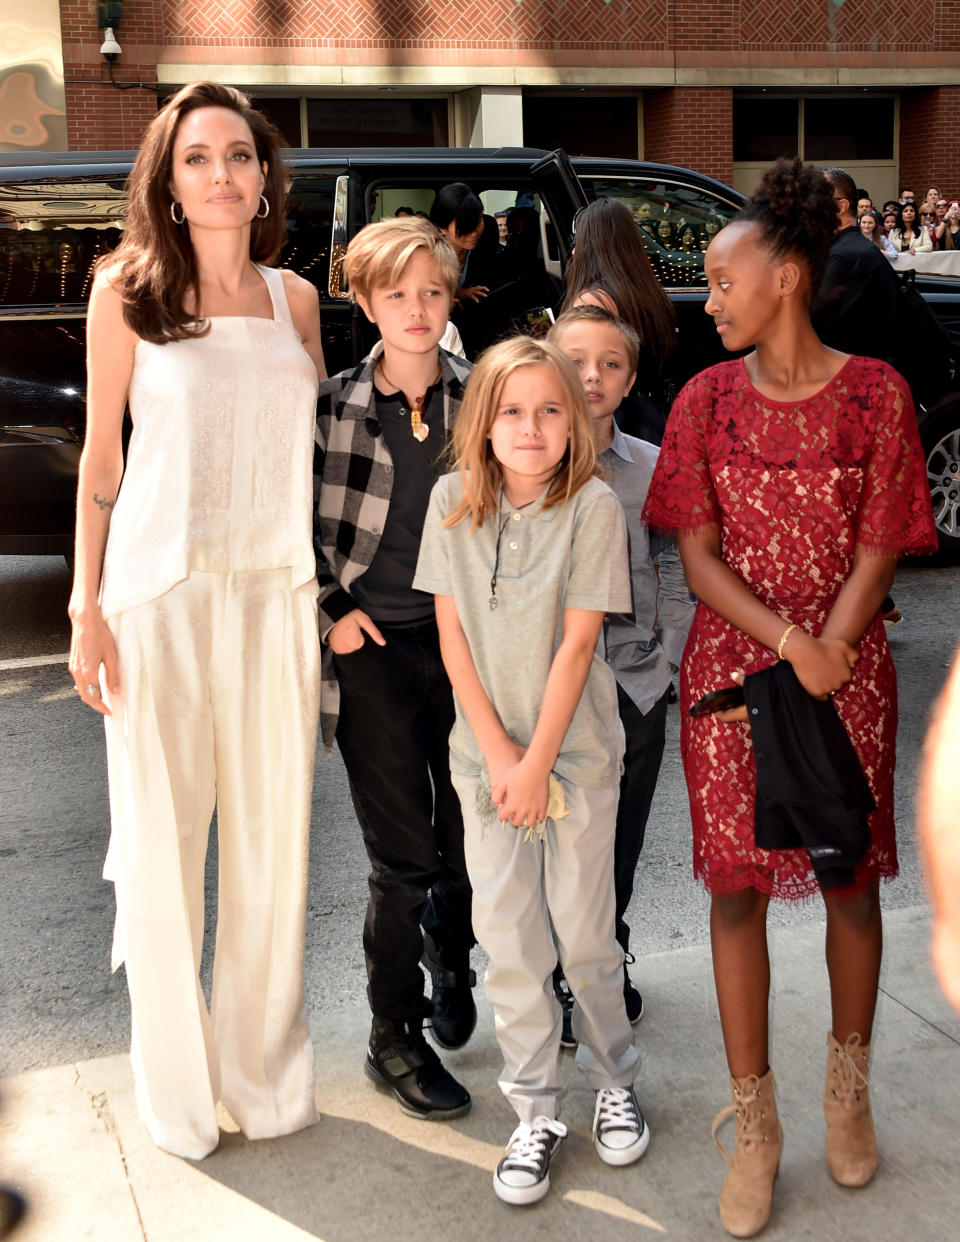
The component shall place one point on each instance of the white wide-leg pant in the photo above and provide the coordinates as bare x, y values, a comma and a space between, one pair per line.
535, 901
218, 706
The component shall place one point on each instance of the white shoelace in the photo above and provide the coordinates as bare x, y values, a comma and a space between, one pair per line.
529, 1142
616, 1110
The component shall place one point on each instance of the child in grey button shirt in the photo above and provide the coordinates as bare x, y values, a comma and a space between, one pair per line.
525, 550
643, 646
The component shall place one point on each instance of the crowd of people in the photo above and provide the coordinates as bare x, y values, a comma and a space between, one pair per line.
667, 227
488, 621
905, 226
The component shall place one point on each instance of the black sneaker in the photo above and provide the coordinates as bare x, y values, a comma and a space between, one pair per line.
523, 1175
620, 1134
632, 1000
561, 989
454, 1013
400, 1060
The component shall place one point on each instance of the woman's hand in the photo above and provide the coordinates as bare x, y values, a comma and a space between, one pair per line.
736, 714
471, 293
829, 663
521, 795
822, 665
348, 633
92, 646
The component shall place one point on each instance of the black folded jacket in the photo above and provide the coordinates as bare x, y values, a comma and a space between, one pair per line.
811, 790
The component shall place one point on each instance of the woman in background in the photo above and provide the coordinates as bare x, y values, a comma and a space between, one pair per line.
610, 257
871, 227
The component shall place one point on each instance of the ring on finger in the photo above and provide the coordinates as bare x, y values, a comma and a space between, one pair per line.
92, 689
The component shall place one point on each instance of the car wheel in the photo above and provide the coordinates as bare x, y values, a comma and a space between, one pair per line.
941, 447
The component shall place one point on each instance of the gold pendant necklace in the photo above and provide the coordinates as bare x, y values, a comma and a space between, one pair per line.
418, 428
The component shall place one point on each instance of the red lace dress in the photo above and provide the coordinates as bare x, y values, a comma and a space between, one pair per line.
794, 487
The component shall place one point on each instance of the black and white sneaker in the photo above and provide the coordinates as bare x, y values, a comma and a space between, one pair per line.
561, 989
523, 1175
620, 1134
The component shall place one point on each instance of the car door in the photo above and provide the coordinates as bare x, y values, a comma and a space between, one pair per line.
318, 219
562, 194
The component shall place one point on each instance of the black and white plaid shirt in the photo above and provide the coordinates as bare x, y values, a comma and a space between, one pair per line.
352, 485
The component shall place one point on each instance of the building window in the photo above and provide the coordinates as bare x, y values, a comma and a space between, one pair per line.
603, 125
285, 115
838, 131
827, 129
350, 122
764, 129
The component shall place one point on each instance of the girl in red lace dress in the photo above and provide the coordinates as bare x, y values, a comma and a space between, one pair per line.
794, 478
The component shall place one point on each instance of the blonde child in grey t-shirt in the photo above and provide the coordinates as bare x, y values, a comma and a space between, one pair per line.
525, 550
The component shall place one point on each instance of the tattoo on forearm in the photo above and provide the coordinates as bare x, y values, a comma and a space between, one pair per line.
103, 502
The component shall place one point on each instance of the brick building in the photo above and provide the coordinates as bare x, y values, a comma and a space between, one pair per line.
720, 85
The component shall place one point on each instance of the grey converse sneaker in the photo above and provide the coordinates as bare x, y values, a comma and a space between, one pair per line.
620, 1134
523, 1175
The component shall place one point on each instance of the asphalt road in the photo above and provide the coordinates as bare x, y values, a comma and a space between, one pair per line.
58, 1001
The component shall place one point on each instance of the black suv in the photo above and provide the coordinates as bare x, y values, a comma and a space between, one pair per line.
57, 218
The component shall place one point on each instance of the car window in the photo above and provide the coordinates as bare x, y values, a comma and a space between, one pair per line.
676, 221
52, 235
309, 219
385, 199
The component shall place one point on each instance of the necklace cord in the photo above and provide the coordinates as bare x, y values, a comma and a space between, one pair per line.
496, 562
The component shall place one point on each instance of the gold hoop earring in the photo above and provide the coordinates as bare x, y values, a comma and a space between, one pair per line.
173, 212
264, 209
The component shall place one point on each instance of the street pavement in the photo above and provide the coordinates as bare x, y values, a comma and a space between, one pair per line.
71, 1141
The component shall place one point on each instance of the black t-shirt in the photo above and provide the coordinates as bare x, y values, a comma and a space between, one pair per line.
385, 591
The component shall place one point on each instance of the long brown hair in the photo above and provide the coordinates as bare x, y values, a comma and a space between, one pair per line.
157, 264
472, 451
610, 253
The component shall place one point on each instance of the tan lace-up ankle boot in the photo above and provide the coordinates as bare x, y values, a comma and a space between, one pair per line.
747, 1194
851, 1141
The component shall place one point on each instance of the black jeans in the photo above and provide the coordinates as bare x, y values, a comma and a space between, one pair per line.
396, 713
641, 766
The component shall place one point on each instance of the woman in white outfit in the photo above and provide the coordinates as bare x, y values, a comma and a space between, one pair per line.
194, 616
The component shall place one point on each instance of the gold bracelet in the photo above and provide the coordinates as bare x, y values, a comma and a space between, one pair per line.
783, 638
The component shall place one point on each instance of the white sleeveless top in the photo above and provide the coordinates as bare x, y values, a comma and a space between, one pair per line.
219, 473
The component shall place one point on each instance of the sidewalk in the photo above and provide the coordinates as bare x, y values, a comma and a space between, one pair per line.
70, 1138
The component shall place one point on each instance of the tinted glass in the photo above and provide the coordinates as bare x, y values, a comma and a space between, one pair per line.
285, 114
676, 221
601, 125
837, 130
764, 129
309, 229
51, 236
377, 122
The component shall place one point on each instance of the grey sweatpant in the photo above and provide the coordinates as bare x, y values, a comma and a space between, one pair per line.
535, 901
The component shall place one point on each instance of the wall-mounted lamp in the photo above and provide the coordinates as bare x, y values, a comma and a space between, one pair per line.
109, 16
110, 48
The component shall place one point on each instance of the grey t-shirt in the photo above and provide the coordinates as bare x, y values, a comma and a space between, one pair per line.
573, 555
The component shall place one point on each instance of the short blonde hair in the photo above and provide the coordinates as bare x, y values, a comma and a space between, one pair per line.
471, 448
379, 253
596, 314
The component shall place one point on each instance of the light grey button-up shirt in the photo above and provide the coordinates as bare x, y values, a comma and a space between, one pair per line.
641, 646
573, 555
